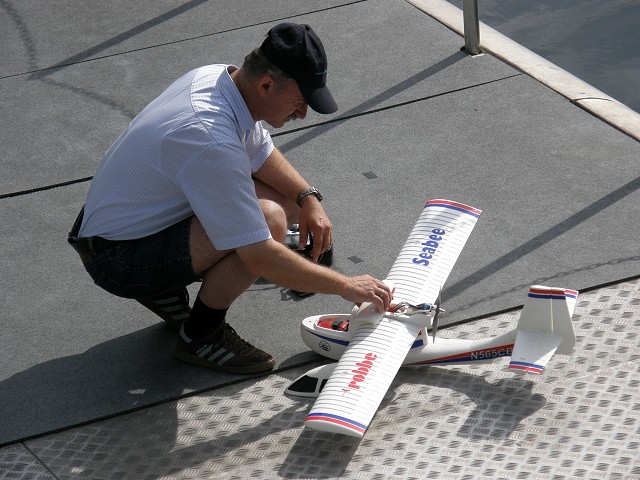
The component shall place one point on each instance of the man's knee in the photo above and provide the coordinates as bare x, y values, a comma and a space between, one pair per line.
276, 219
291, 209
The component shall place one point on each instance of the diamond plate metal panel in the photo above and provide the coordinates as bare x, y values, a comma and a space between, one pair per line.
578, 420
16, 463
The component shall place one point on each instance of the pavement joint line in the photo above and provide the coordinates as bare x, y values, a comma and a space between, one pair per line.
46, 187
278, 134
543, 238
519, 307
175, 398
396, 105
39, 460
577, 91
85, 56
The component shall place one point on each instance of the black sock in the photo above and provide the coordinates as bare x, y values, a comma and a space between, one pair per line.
203, 320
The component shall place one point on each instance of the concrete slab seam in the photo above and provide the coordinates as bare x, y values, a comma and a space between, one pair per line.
340, 119
87, 55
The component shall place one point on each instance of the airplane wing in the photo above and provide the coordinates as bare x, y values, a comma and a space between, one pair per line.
362, 377
428, 256
365, 371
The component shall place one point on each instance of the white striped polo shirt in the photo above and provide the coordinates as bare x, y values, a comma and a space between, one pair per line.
190, 151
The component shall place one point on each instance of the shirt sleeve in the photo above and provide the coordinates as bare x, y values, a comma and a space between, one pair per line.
218, 185
259, 146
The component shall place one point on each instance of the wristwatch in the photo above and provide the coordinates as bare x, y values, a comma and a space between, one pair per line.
308, 191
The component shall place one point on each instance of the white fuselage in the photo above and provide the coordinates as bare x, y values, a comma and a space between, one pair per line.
332, 344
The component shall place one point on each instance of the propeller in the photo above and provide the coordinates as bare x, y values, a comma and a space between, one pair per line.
436, 316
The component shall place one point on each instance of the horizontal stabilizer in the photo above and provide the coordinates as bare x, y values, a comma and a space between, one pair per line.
533, 350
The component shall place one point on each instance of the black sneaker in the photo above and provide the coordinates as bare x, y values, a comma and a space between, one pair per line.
225, 351
172, 307
326, 257
293, 236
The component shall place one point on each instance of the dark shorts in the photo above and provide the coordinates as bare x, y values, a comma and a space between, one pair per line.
147, 266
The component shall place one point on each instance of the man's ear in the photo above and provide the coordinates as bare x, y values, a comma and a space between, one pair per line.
266, 85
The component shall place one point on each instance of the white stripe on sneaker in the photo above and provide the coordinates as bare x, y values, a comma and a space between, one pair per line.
173, 309
165, 301
204, 351
226, 358
220, 351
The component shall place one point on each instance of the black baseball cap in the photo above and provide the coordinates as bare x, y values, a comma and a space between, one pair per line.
297, 50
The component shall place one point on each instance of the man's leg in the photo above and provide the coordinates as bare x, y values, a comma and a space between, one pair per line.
224, 277
206, 339
222, 285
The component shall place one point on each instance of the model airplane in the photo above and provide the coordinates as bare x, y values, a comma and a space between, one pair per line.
371, 346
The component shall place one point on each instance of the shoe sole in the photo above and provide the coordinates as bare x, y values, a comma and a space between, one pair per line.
195, 360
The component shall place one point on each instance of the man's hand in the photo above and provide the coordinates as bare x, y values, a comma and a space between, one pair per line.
279, 264
365, 288
281, 178
313, 219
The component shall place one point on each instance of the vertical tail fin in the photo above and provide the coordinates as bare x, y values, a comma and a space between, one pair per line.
549, 309
544, 328
536, 314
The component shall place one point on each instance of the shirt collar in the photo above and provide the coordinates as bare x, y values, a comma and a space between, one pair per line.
233, 96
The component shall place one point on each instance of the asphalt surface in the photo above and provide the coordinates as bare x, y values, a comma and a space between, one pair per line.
418, 119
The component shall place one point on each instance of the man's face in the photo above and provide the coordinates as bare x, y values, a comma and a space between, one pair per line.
284, 103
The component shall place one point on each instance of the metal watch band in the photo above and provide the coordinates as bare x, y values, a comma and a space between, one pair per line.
308, 191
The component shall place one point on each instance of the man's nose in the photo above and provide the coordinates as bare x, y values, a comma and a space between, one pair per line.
301, 111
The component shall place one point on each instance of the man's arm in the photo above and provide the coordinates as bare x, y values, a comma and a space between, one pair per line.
282, 266
279, 174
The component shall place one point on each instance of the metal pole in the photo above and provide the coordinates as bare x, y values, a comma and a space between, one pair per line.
471, 26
